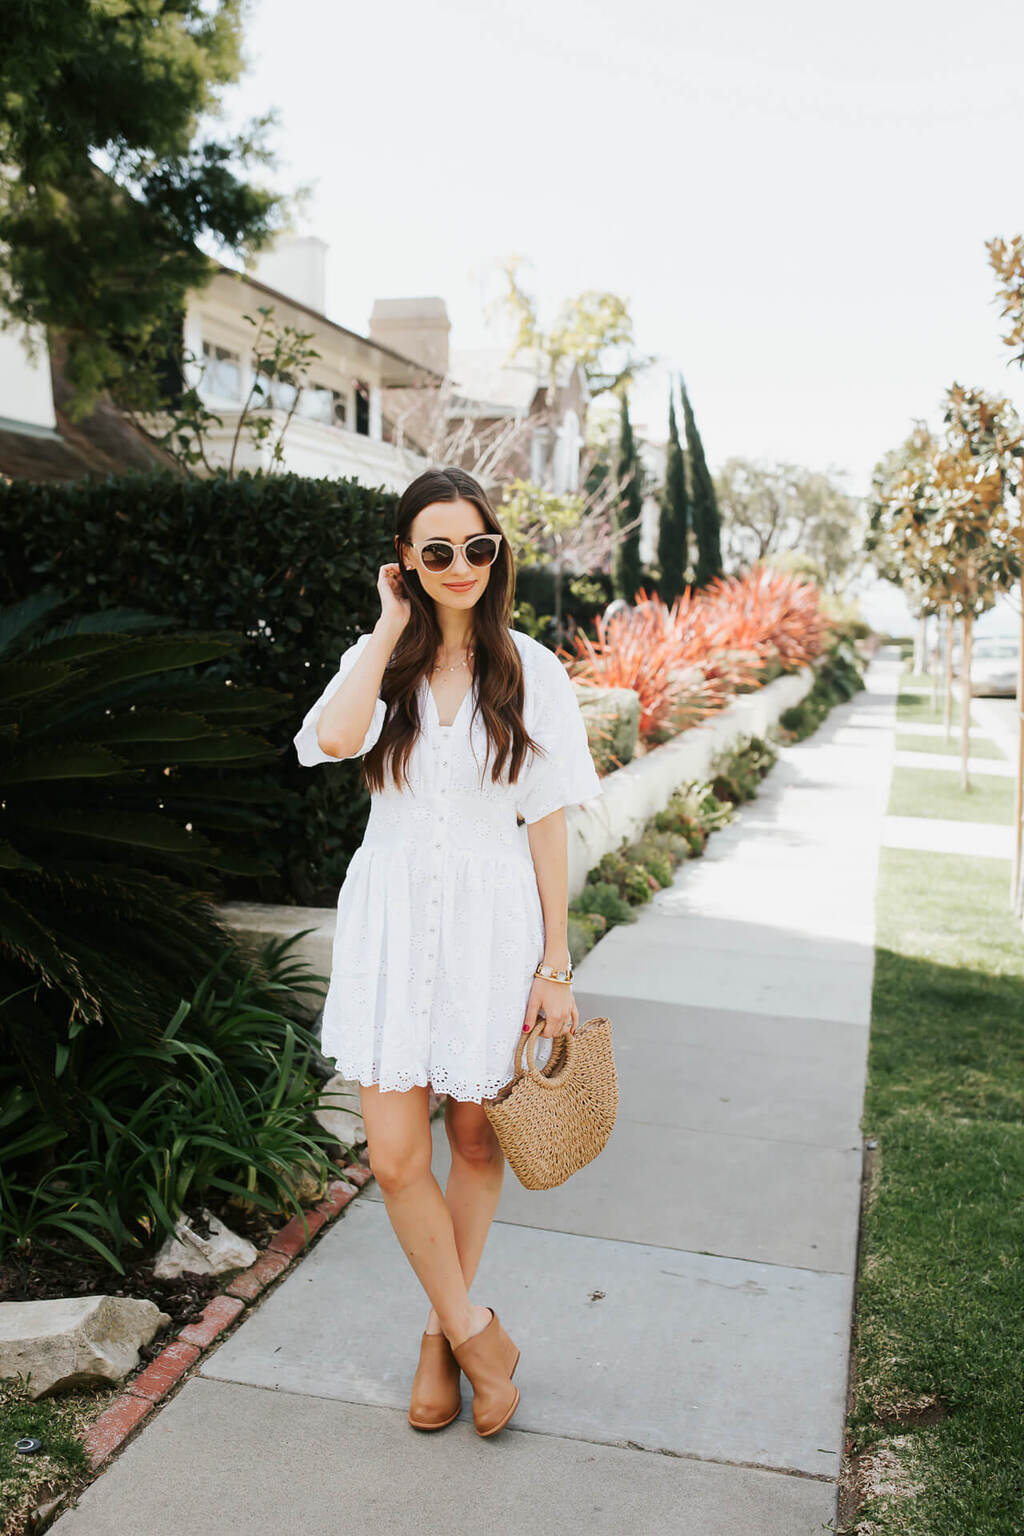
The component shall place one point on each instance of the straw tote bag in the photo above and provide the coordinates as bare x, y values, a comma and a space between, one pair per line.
555, 1119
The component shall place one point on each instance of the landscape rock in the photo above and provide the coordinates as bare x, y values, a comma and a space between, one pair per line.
338, 1111
612, 718
189, 1253
73, 1341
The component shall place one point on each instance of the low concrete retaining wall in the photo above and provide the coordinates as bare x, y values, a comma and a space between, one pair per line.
636, 792
631, 796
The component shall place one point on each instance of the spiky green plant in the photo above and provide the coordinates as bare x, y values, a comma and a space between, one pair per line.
220, 1100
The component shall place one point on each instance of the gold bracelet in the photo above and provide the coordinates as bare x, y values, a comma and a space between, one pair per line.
548, 973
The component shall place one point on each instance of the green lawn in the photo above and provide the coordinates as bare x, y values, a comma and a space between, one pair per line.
939, 1339
935, 792
59, 1422
981, 746
917, 707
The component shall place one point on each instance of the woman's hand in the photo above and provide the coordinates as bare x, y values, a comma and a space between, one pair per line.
395, 605
555, 1000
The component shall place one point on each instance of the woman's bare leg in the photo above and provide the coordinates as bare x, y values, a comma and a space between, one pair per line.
474, 1185
398, 1140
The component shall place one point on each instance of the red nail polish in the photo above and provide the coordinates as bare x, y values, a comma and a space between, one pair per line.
526, 1029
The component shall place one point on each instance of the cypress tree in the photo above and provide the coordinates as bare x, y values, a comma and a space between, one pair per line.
706, 520
626, 569
674, 523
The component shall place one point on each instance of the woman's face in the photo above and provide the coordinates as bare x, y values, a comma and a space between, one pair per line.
461, 585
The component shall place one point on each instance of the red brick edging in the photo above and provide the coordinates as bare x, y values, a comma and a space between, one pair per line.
107, 1433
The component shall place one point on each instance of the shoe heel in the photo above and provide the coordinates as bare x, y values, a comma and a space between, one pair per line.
485, 1434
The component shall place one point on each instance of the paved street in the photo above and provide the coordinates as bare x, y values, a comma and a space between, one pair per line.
683, 1305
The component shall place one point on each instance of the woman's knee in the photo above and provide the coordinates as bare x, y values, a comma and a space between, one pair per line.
470, 1134
397, 1139
398, 1162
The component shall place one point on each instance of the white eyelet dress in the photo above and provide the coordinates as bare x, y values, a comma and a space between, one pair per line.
439, 922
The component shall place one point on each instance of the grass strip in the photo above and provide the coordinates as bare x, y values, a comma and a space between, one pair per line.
917, 709
59, 1422
939, 1367
925, 792
981, 746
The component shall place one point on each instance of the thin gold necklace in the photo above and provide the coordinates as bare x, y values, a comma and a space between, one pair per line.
455, 667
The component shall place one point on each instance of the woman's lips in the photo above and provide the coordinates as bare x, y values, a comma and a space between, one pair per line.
459, 586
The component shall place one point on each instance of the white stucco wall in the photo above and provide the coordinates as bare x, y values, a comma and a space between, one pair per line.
26, 393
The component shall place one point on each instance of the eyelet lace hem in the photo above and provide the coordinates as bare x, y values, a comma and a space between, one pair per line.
438, 1078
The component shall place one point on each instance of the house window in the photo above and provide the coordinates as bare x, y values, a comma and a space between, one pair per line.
276, 393
222, 373
321, 404
362, 408
540, 454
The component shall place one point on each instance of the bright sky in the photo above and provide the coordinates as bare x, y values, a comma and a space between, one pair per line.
794, 198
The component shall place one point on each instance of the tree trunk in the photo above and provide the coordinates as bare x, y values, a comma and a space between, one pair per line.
947, 707
965, 698
921, 647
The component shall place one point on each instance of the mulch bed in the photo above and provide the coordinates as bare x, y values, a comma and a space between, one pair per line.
47, 1276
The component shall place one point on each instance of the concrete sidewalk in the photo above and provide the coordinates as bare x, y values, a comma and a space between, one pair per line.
683, 1305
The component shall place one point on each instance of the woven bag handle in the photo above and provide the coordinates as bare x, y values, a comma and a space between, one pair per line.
529, 1043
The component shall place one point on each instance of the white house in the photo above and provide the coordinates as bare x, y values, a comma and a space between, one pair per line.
376, 408
338, 429
504, 414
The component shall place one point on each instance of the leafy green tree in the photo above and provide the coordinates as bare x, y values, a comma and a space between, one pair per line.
894, 549
706, 522
773, 510
594, 329
953, 517
114, 175
626, 569
674, 523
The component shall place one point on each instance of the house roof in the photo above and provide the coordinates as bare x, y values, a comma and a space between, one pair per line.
490, 383
400, 372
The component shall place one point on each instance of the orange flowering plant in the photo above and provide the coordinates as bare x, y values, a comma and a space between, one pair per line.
687, 659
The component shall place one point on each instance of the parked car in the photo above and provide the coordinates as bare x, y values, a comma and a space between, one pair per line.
994, 665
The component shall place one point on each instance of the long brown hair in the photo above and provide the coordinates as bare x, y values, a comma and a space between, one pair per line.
498, 669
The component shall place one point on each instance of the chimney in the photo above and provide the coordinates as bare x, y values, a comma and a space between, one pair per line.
418, 328
296, 266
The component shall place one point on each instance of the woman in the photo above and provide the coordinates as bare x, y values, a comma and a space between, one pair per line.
472, 743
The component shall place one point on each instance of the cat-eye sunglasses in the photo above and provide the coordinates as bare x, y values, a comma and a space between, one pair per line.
438, 554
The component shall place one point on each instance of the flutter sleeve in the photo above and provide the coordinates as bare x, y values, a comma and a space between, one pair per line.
565, 775
308, 748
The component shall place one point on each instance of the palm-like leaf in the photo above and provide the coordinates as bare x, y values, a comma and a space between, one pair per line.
120, 811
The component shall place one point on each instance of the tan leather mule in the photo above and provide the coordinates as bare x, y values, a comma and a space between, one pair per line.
436, 1399
489, 1359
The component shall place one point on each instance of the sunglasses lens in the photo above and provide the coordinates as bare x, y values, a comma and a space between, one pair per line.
481, 551
437, 557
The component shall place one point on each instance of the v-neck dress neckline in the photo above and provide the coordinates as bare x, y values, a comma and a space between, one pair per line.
458, 713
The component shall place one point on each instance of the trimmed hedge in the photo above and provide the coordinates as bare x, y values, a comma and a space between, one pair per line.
288, 561
583, 598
